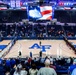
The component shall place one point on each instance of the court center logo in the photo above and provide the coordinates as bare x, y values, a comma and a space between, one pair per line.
43, 48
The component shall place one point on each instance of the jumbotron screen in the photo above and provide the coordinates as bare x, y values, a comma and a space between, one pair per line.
40, 12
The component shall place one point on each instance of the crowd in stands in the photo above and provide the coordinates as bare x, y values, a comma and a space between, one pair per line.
7, 30
37, 66
70, 31
38, 30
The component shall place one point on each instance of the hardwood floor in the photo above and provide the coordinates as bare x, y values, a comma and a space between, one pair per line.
58, 48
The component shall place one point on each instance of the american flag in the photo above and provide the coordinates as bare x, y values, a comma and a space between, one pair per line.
41, 12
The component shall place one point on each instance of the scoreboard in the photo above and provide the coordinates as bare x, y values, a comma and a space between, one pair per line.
12, 3
15, 3
18, 3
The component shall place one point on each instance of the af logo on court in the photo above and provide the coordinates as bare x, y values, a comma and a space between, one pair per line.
43, 48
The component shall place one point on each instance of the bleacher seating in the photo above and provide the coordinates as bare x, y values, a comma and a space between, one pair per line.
37, 30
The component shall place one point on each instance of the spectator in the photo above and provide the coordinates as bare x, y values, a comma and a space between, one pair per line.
7, 73
1, 69
33, 70
72, 67
47, 70
8, 64
17, 71
69, 61
74, 72
52, 66
13, 70
23, 71
12, 61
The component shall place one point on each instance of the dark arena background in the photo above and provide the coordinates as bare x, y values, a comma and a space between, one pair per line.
32, 31
10, 16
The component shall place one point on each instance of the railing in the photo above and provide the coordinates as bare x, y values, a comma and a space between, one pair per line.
42, 38
69, 44
8, 48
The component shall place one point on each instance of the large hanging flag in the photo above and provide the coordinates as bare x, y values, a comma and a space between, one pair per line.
46, 12
41, 12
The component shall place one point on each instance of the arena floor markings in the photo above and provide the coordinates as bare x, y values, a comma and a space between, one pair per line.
4, 43
48, 47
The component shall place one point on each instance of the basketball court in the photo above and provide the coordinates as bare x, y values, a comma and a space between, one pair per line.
48, 47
